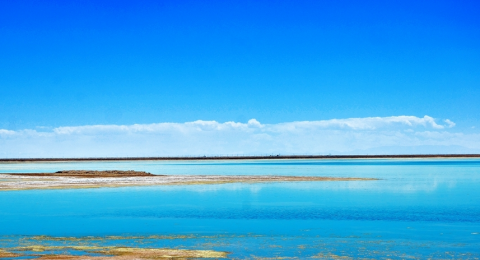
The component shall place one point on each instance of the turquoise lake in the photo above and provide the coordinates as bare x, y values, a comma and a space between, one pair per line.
419, 209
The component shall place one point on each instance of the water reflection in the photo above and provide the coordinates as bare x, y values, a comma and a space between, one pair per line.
418, 209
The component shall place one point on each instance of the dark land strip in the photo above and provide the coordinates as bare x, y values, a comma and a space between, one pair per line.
240, 157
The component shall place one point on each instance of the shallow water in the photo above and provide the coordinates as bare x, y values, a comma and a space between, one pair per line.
419, 209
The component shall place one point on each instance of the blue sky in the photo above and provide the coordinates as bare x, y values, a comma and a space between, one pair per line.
79, 63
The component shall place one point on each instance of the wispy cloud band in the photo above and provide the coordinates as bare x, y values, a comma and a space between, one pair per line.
352, 135
368, 123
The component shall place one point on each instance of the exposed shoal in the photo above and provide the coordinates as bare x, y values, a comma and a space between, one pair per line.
99, 179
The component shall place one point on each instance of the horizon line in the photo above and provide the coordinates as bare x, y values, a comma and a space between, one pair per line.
241, 157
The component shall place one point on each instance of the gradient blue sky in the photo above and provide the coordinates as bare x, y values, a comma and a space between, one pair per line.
71, 63
124, 62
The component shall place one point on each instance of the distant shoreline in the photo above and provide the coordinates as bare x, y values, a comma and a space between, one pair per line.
240, 157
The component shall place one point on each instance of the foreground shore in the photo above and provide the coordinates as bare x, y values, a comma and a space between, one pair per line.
107, 253
99, 179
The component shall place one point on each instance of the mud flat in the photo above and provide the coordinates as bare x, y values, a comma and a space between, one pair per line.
99, 179
111, 253
6, 254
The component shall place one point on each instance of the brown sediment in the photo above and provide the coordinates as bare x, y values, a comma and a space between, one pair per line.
95, 179
6, 254
122, 253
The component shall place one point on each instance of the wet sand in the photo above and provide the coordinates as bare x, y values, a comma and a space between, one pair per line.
99, 179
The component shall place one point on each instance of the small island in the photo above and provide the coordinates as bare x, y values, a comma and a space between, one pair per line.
92, 174
80, 179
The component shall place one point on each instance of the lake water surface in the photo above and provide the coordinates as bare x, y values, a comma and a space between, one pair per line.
420, 208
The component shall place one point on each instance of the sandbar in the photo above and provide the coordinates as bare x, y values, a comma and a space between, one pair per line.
99, 179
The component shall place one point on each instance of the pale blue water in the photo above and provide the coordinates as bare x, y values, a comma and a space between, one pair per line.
420, 208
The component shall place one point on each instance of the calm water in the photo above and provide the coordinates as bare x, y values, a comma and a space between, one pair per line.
419, 209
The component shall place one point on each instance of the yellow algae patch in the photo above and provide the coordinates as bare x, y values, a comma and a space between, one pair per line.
165, 253
39, 248
330, 256
121, 253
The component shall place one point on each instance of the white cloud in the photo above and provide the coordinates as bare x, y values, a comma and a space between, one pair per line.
450, 123
368, 123
6, 132
336, 136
